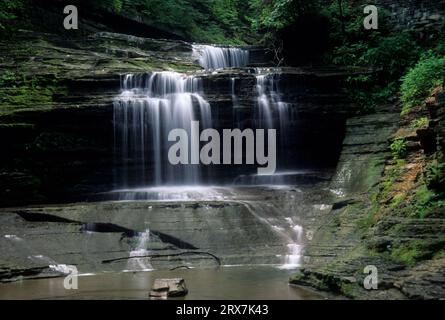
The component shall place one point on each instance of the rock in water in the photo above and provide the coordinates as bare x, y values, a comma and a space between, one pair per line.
163, 288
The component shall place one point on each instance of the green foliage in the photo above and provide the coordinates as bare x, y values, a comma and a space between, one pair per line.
25, 96
418, 83
419, 123
19, 91
391, 54
112, 5
216, 21
396, 201
424, 203
278, 14
7, 78
422, 200
9, 10
418, 250
435, 175
390, 178
398, 148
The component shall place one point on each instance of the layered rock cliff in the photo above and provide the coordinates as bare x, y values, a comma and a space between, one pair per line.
391, 215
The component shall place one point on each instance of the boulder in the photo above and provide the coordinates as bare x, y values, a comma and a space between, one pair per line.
163, 288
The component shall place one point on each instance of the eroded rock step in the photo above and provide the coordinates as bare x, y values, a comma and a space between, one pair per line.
97, 237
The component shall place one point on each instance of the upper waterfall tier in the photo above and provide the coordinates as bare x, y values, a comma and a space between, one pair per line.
149, 107
211, 57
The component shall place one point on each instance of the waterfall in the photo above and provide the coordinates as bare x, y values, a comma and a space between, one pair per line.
291, 233
232, 90
140, 264
149, 106
269, 101
293, 259
211, 57
264, 117
236, 110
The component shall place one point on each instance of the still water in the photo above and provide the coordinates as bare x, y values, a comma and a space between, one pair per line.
257, 282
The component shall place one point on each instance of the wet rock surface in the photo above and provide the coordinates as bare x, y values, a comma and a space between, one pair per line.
246, 226
404, 248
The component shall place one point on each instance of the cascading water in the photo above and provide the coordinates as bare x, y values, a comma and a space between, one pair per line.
271, 112
140, 264
270, 104
148, 107
151, 105
293, 259
291, 233
211, 57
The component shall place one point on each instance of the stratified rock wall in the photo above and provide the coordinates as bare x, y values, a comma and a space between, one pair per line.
377, 221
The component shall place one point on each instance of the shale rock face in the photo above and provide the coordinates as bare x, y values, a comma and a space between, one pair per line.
244, 226
375, 223
56, 114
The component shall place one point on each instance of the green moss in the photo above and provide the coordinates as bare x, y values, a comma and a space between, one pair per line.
296, 277
21, 91
390, 178
24, 96
181, 67
417, 250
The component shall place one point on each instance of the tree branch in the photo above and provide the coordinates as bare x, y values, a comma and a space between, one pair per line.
165, 255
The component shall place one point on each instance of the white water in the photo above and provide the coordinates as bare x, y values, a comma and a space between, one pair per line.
140, 264
174, 193
272, 111
293, 259
148, 107
291, 232
211, 57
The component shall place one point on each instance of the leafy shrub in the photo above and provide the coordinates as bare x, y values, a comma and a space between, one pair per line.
278, 14
419, 123
398, 148
9, 10
392, 54
435, 175
7, 78
113, 5
418, 83
417, 250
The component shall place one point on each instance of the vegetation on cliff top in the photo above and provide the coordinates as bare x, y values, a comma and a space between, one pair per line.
420, 80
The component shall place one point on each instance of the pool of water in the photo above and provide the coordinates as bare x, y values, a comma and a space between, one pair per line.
251, 283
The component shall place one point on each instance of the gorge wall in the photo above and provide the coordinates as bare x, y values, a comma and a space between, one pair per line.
377, 222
